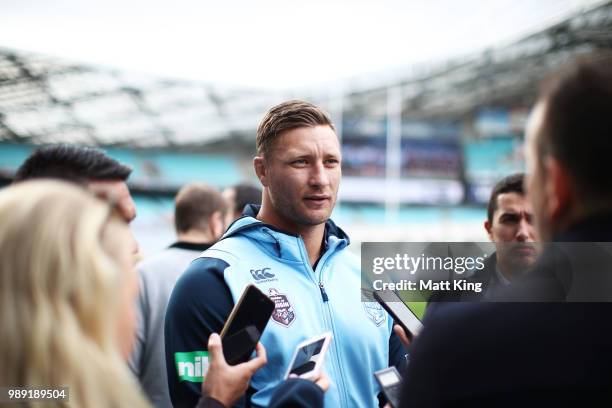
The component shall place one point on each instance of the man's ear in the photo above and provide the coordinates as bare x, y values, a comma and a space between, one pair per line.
217, 224
488, 226
557, 189
259, 165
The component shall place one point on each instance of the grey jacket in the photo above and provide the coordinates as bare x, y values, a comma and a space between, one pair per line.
157, 275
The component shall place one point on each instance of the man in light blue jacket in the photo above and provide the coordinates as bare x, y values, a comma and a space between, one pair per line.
295, 254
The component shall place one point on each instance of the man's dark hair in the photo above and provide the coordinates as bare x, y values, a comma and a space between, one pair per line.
77, 164
577, 123
246, 194
194, 204
509, 184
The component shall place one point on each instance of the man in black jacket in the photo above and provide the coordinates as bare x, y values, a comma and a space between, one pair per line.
509, 225
544, 353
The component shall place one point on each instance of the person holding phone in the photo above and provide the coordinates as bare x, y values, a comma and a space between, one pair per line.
68, 295
295, 254
225, 384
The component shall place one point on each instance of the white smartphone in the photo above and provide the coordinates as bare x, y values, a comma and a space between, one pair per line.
307, 360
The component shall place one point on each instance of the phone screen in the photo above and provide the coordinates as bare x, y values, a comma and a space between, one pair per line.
401, 312
391, 383
406, 316
306, 357
239, 346
245, 325
253, 309
388, 378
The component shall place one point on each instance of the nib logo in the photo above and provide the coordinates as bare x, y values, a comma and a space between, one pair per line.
262, 274
191, 366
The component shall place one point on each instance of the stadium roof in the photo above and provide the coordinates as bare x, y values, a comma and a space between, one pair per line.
45, 99
271, 44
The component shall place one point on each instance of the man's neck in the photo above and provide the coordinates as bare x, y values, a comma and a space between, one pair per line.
578, 213
502, 274
311, 234
195, 237
511, 271
313, 241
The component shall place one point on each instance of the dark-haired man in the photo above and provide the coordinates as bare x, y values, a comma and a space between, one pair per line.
509, 225
238, 197
542, 353
291, 250
87, 166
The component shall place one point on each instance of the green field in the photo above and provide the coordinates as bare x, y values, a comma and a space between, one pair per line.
418, 308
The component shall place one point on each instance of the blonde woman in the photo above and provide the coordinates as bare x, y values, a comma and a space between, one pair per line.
67, 303
67, 286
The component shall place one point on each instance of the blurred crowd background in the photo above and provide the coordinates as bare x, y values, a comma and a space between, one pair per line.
422, 143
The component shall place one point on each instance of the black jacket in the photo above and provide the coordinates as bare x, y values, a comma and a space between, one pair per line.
520, 353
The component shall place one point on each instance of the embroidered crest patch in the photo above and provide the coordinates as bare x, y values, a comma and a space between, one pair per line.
375, 312
283, 311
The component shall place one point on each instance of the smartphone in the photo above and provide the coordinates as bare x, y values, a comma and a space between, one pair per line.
401, 313
391, 383
239, 346
308, 357
245, 325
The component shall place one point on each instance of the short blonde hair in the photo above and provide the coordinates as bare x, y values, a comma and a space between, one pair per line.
285, 116
59, 295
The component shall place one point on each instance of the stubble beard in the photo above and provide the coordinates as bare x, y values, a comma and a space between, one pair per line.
292, 213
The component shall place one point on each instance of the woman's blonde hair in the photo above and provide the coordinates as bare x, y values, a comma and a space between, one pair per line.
59, 296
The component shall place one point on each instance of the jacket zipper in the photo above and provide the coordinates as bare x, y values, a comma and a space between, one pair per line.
327, 310
323, 293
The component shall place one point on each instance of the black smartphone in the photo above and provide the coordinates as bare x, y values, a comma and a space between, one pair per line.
401, 313
245, 325
391, 383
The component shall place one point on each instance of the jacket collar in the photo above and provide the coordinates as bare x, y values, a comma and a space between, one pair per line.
251, 211
191, 246
282, 243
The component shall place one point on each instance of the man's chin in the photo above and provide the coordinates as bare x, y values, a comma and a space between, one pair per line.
316, 221
316, 218
524, 263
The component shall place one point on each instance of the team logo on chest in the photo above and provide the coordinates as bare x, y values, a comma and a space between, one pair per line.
283, 311
263, 275
375, 312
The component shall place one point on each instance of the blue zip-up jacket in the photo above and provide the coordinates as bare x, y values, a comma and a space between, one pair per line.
308, 302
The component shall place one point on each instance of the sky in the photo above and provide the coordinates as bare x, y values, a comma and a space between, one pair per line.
272, 44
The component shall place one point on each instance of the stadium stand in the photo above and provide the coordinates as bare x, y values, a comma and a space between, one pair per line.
456, 125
